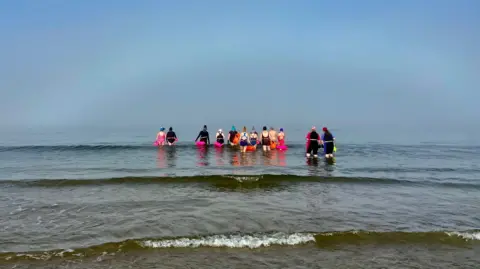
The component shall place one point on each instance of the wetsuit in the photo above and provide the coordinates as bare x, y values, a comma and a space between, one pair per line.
328, 143
265, 139
171, 137
244, 139
232, 136
220, 138
204, 137
312, 144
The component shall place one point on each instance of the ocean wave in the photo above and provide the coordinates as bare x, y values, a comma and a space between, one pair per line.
260, 240
227, 180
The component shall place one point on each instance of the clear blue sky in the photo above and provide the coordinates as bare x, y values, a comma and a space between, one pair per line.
357, 63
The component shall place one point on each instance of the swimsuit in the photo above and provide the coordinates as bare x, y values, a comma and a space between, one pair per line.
265, 140
253, 140
281, 142
161, 139
244, 140
171, 137
232, 136
220, 138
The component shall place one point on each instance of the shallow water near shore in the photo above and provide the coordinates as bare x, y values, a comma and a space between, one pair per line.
127, 204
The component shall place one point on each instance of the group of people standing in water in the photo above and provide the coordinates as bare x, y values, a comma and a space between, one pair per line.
248, 141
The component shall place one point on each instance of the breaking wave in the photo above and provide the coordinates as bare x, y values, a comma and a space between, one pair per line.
260, 240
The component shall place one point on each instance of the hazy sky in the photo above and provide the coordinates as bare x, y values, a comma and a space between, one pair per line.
362, 63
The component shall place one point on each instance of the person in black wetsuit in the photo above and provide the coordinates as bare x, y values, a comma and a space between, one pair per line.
171, 136
313, 139
203, 135
328, 141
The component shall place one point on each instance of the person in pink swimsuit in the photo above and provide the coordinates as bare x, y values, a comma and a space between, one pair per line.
281, 137
160, 141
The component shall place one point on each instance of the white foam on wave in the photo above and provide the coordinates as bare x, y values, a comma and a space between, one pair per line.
233, 241
226, 241
466, 235
245, 178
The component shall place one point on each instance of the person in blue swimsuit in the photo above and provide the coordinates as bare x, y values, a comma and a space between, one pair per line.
244, 140
253, 137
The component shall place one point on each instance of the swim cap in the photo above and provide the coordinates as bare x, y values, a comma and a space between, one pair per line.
219, 130
281, 129
313, 128
324, 129
233, 128
161, 128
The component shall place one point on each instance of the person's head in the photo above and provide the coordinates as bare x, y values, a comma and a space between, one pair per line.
244, 129
233, 128
220, 130
170, 129
264, 128
325, 130
314, 129
281, 129
272, 129
205, 127
162, 129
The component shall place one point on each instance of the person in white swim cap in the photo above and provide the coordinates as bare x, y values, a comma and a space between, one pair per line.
313, 142
220, 137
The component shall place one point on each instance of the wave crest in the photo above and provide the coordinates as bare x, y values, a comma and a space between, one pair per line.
227, 180
233, 241
260, 240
